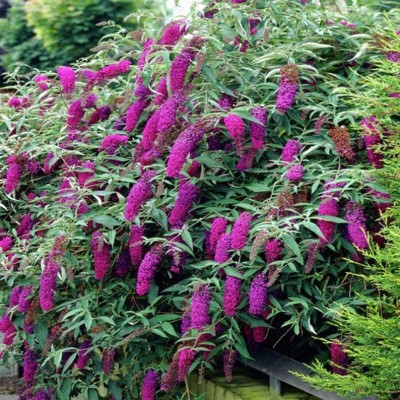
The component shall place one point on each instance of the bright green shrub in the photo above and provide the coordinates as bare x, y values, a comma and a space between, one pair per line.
19, 42
75, 205
372, 336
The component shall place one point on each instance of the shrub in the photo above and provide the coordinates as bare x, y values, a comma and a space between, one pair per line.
245, 196
369, 349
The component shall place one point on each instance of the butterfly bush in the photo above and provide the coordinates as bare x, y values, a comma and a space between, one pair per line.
188, 193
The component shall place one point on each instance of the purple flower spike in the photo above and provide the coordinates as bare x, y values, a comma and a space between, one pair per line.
67, 78
133, 114
240, 231
287, 88
148, 268
235, 126
199, 314
149, 385
291, 150
185, 144
84, 354
356, 227
258, 294
139, 194
101, 255
232, 295
48, 283
257, 131
295, 173
188, 194
179, 68
222, 249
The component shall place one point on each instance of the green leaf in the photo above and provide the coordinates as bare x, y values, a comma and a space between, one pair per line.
41, 333
167, 327
233, 272
93, 395
106, 220
115, 390
187, 238
65, 388
88, 320
108, 320
293, 246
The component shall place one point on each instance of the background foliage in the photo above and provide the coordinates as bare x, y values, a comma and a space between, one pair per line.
44, 34
238, 51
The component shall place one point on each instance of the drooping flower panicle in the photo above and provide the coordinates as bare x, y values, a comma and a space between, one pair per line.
232, 295
139, 194
258, 294
287, 88
240, 231
235, 126
101, 255
199, 312
148, 268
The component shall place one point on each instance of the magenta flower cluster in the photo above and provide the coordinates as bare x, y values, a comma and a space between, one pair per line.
199, 313
123, 263
13, 175
139, 194
84, 354
150, 131
111, 143
136, 245
100, 114
222, 248
6, 243
133, 114
185, 144
371, 139
149, 385
232, 295
188, 194
108, 360
218, 228
75, 114
246, 161
356, 227
258, 294
179, 67
101, 255
328, 207
291, 150
29, 366
167, 116
339, 358
41, 81
67, 78
48, 283
172, 33
235, 126
286, 95
8, 329
162, 91
148, 268
145, 52
273, 250
295, 173
111, 71
240, 231
257, 130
